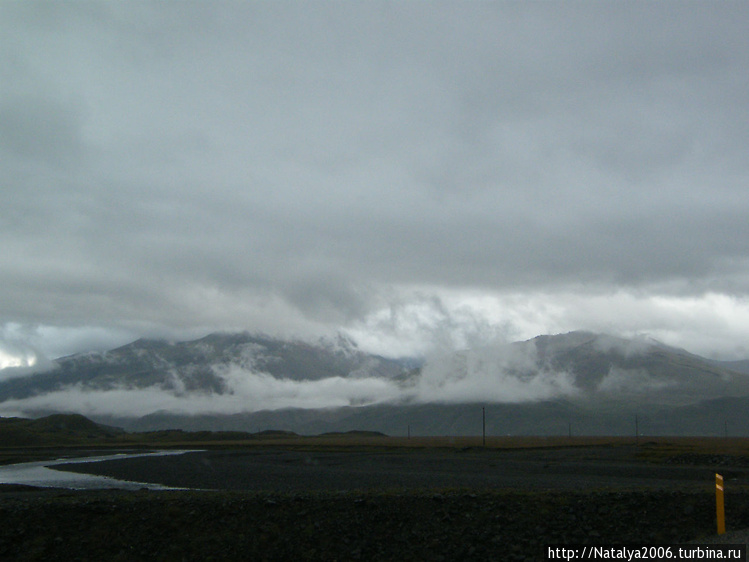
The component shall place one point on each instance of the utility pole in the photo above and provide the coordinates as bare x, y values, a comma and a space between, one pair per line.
483, 426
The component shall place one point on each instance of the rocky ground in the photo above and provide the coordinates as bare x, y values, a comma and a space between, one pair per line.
363, 505
444, 525
276, 469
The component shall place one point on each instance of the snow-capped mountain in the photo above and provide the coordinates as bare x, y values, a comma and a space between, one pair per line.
199, 365
547, 384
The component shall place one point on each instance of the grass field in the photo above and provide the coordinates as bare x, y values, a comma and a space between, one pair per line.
653, 446
652, 449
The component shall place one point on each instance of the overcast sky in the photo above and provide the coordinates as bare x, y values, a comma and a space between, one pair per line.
415, 174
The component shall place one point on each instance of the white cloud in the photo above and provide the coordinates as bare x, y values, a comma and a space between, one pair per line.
495, 373
715, 325
250, 393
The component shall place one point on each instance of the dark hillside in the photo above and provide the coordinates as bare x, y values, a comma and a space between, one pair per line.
57, 429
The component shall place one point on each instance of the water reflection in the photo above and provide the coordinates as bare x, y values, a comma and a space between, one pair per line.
39, 474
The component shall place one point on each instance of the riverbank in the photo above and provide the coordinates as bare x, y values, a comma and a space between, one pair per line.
42, 473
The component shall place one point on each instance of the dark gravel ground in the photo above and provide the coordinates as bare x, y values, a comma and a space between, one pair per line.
383, 505
454, 525
282, 470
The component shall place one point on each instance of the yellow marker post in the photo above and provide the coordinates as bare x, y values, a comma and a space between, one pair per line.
720, 508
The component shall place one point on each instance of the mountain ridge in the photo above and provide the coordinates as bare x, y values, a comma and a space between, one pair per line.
542, 384
191, 365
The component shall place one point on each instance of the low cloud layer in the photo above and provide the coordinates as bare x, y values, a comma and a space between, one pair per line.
500, 373
251, 392
496, 373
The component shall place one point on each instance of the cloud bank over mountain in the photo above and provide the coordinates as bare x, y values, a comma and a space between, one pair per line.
231, 374
242, 381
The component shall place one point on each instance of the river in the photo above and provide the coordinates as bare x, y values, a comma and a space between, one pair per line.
42, 474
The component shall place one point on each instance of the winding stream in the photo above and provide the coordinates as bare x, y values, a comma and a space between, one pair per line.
40, 474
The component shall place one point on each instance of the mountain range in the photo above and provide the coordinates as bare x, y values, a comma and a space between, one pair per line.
195, 366
579, 382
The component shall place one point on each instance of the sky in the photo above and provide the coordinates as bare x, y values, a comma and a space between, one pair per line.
417, 175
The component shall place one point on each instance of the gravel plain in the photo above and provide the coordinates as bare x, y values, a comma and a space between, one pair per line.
271, 503
283, 470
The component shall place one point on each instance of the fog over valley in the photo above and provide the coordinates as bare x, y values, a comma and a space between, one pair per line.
500, 373
241, 374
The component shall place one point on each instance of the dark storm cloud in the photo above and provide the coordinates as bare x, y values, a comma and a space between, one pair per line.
176, 167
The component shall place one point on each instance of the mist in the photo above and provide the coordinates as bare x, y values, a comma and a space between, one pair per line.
497, 373
255, 392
